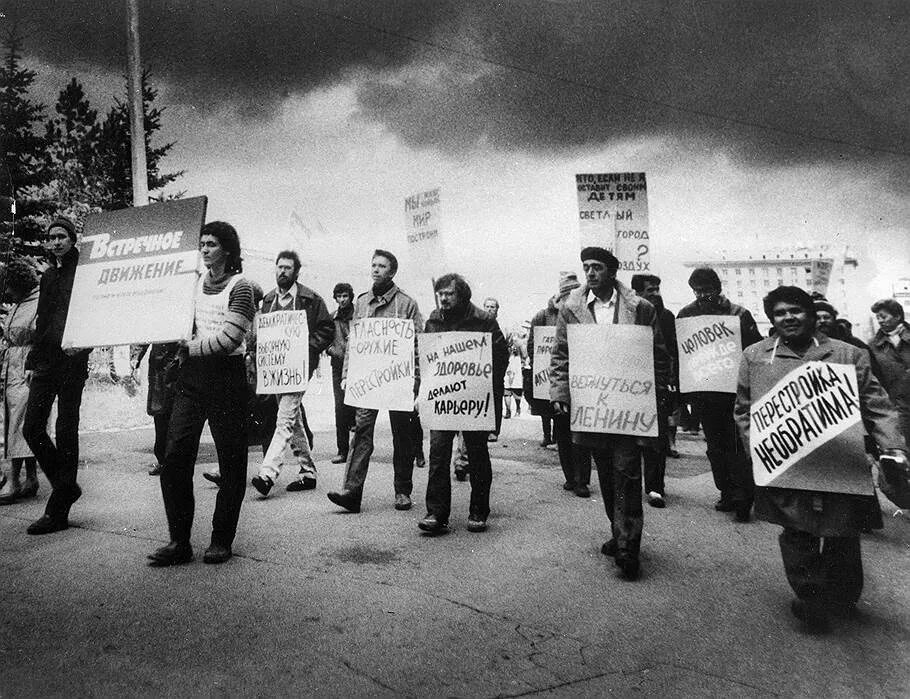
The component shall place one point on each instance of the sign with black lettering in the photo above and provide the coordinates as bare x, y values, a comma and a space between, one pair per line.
544, 339
136, 277
709, 351
613, 214
282, 352
456, 381
806, 432
381, 364
423, 231
611, 379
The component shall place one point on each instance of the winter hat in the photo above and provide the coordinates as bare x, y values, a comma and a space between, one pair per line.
66, 224
821, 305
600, 254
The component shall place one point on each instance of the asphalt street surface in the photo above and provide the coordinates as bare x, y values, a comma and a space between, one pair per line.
321, 602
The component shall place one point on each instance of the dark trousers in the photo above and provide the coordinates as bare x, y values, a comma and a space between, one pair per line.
61, 462
619, 473
344, 414
729, 462
827, 572
439, 482
213, 389
546, 423
654, 455
161, 422
362, 449
574, 459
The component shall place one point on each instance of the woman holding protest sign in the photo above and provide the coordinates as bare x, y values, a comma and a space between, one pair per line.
821, 512
211, 387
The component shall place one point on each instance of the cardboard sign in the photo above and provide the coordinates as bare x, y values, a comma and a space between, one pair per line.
820, 271
456, 381
423, 231
613, 214
381, 364
544, 339
806, 432
136, 275
611, 379
282, 352
709, 351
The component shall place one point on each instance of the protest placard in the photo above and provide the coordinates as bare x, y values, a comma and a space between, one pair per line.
806, 432
423, 232
456, 381
820, 275
611, 379
544, 339
136, 276
282, 352
613, 214
381, 364
709, 351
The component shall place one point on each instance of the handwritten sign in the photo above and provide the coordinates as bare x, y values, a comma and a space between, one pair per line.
544, 339
381, 364
136, 275
613, 214
709, 351
423, 232
282, 352
456, 381
611, 379
806, 432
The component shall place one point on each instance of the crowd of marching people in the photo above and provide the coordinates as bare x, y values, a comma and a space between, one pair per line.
210, 378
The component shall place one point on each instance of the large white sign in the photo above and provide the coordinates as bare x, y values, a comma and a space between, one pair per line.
456, 381
709, 351
611, 379
381, 364
423, 231
136, 277
806, 432
613, 214
282, 352
544, 338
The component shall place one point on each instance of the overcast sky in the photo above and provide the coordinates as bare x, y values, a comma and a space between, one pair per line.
758, 124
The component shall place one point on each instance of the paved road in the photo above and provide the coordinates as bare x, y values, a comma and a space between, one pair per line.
318, 602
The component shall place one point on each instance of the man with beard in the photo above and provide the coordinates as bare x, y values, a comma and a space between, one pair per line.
729, 462
655, 451
383, 300
457, 313
288, 438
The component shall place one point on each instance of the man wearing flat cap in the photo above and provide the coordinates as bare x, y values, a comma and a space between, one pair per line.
604, 300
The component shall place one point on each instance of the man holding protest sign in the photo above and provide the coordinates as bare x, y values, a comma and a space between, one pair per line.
715, 407
801, 404
628, 377
389, 319
462, 376
296, 303
55, 373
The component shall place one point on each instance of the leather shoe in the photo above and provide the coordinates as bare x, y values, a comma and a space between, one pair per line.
173, 554
461, 474
629, 567
582, 491
609, 548
743, 512
724, 505
213, 476
29, 489
345, 499
402, 502
431, 525
10, 497
48, 524
155, 469
655, 499
492, 437
305, 483
216, 553
339, 458
475, 524
263, 484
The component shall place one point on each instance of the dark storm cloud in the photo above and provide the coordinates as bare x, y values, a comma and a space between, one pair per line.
767, 81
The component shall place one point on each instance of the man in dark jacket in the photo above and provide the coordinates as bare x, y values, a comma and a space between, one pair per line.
891, 350
457, 313
288, 434
729, 462
604, 300
343, 294
56, 373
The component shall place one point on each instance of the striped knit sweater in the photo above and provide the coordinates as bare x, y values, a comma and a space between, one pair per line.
241, 310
